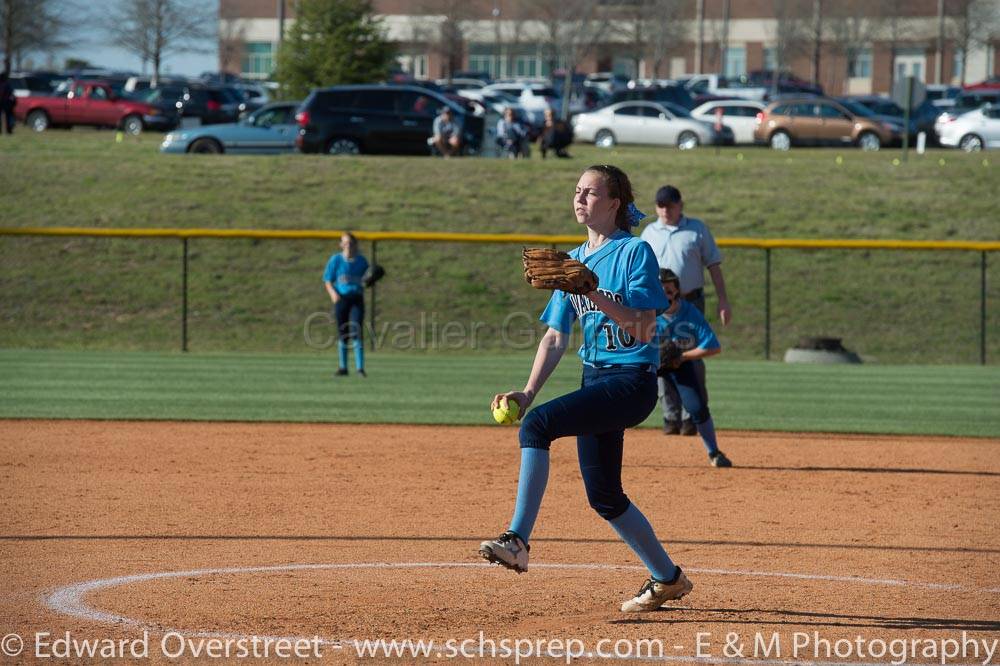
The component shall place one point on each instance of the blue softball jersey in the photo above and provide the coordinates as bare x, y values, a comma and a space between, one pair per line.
688, 328
627, 273
346, 275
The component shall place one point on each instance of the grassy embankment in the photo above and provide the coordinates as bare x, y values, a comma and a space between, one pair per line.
71, 293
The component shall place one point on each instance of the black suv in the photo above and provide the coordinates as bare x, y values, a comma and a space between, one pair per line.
378, 119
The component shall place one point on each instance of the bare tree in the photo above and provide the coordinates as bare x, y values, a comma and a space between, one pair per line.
790, 36
646, 28
511, 29
629, 24
666, 29
232, 43
422, 32
33, 26
892, 28
814, 31
448, 40
723, 40
971, 24
154, 29
850, 30
572, 29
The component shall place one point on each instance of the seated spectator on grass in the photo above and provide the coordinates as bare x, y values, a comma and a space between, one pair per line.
556, 135
447, 137
512, 136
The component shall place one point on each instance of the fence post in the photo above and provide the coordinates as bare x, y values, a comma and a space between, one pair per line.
371, 314
982, 308
767, 304
184, 294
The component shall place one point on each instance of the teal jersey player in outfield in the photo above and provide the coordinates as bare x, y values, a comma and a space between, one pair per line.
617, 391
344, 280
346, 274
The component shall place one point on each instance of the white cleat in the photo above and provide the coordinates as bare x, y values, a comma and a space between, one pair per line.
654, 594
507, 550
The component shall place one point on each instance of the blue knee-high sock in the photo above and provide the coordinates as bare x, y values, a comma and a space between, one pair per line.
636, 531
707, 432
342, 350
359, 355
530, 488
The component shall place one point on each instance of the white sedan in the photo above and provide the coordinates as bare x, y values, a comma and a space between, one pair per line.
740, 115
646, 123
972, 131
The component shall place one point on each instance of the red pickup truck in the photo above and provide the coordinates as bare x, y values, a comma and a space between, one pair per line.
92, 103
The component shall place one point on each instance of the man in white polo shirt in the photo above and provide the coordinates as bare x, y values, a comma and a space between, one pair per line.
685, 246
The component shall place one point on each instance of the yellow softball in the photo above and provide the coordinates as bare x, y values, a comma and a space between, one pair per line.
507, 412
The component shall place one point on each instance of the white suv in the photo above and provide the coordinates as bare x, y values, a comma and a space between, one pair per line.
972, 131
535, 98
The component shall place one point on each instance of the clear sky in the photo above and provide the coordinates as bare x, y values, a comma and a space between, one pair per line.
90, 43
102, 55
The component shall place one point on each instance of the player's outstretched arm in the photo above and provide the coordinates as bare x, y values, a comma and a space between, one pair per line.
550, 352
698, 352
640, 324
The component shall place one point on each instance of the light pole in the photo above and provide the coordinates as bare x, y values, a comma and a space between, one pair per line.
281, 21
496, 33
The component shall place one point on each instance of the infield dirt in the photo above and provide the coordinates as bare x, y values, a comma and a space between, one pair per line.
880, 537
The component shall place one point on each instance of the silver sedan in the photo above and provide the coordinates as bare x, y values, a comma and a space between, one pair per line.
647, 123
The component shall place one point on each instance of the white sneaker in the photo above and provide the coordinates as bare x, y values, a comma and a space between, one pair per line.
507, 550
653, 594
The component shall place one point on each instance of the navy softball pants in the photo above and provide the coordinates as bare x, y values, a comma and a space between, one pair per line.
689, 383
608, 401
349, 312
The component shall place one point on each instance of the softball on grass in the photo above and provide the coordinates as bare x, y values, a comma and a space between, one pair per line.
507, 412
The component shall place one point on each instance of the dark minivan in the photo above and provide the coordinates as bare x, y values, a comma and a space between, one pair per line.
347, 120
673, 94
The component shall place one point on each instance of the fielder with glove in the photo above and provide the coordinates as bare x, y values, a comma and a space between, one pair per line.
685, 336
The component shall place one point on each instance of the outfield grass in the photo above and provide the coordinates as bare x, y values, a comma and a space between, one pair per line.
457, 388
891, 307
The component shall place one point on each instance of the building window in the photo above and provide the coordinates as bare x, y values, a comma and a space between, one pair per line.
624, 67
859, 64
735, 63
527, 66
560, 63
485, 58
770, 58
519, 60
258, 60
415, 65
484, 63
956, 65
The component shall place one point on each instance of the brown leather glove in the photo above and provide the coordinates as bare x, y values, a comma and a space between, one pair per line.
670, 357
552, 269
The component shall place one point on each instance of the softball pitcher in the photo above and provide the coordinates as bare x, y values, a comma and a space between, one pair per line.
618, 390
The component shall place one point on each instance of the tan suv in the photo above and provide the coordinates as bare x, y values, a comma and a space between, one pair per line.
820, 122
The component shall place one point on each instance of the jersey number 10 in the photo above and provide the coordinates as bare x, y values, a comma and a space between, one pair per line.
613, 333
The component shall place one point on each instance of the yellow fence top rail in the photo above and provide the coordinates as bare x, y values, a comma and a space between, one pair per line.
545, 239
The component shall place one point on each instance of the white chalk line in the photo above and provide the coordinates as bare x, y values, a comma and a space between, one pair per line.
69, 600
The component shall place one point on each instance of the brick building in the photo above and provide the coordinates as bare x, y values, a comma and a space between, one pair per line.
854, 53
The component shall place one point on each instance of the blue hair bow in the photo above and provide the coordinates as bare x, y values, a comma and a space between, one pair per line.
635, 216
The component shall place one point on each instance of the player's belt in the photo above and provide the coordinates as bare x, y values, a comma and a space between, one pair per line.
694, 294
